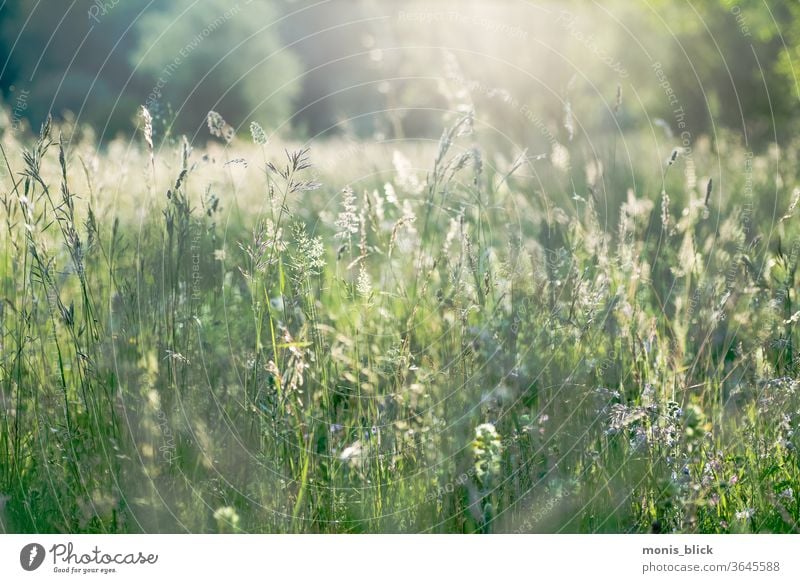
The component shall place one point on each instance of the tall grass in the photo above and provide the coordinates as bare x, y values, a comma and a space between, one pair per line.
233, 338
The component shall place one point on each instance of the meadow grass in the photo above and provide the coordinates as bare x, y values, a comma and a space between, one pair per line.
251, 336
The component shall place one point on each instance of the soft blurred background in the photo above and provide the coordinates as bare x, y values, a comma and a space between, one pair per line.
522, 267
383, 69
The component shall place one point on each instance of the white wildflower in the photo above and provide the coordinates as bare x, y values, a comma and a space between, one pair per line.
219, 127
407, 179
364, 284
258, 134
391, 195
347, 224
560, 157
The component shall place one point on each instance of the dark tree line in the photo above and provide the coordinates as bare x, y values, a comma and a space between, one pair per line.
376, 67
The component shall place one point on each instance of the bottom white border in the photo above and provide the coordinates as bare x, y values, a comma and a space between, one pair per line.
402, 558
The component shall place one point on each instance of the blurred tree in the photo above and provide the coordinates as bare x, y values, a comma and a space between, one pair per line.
729, 61
216, 55
66, 56
376, 67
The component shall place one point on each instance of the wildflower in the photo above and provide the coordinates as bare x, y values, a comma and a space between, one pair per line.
391, 195
560, 157
639, 439
297, 161
745, 514
794, 319
258, 134
713, 465
623, 416
364, 284
274, 236
147, 119
227, 519
792, 205
380, 213
690, 173
569, 122
176, 356
352, 453
407, 222
664, 209
406, 177
310, 257
219, 127
594, 171
347, 223
486, 449
219, 255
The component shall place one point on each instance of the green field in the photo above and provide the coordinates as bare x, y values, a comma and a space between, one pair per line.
253, 336
399, 266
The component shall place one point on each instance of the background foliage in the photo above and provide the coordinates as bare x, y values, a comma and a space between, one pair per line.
330, 64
